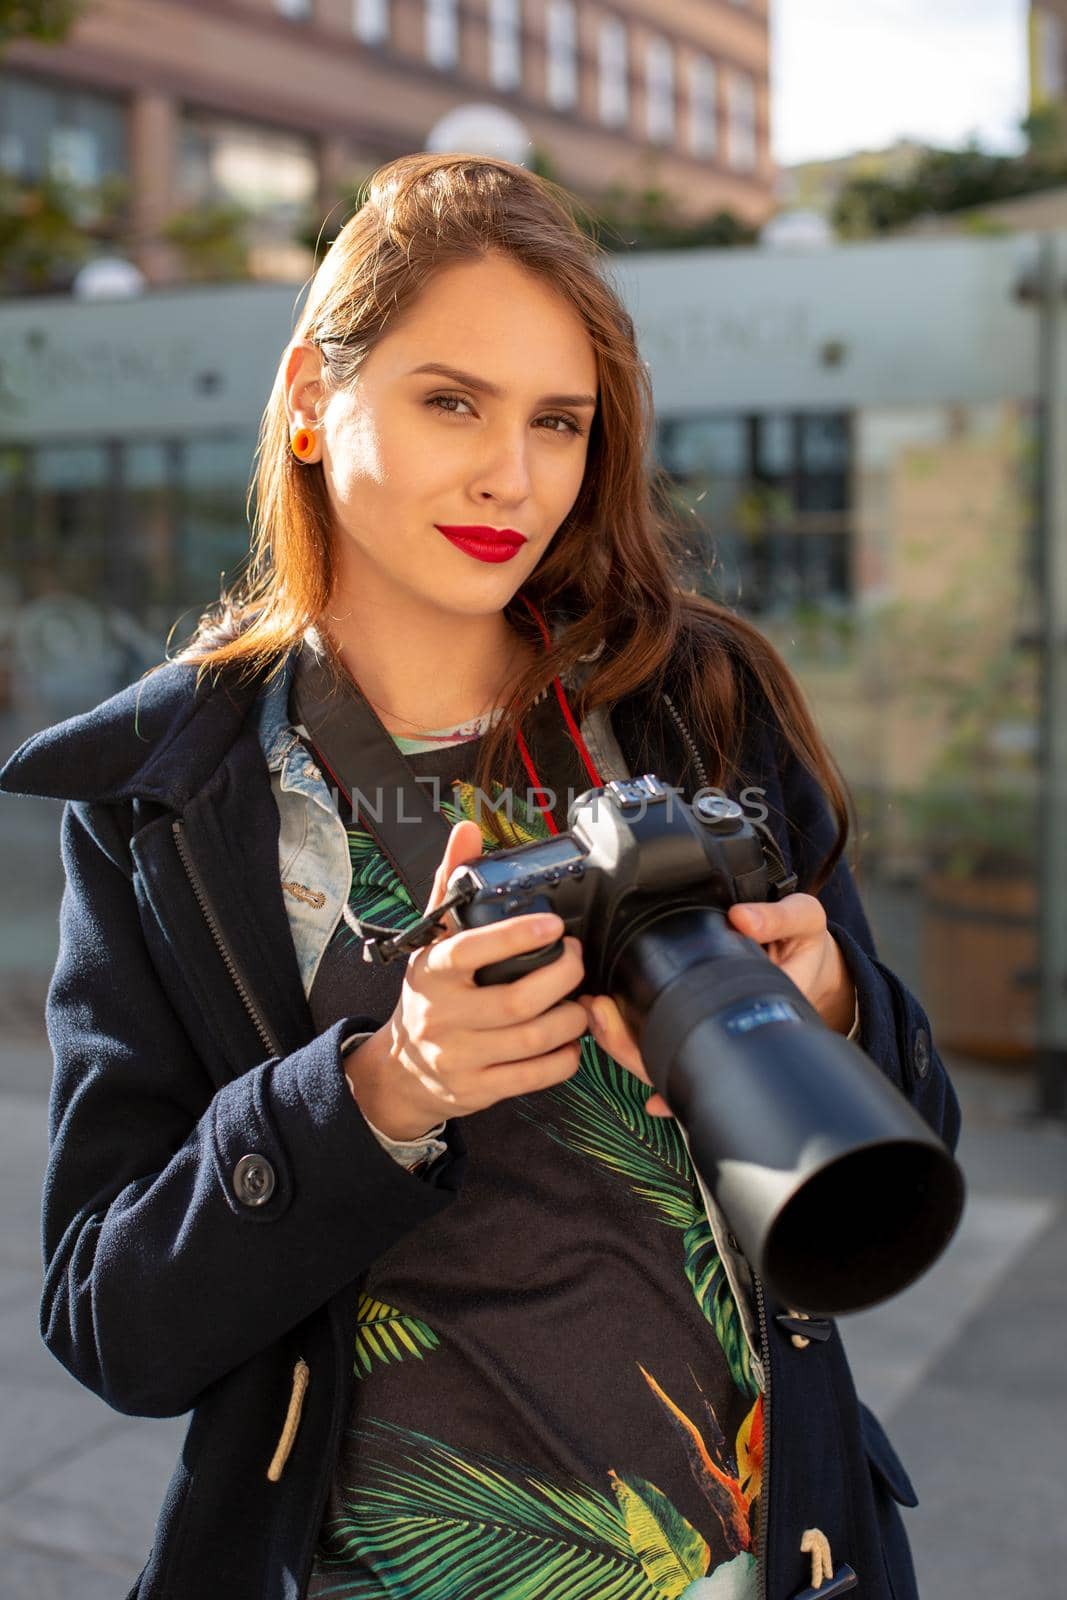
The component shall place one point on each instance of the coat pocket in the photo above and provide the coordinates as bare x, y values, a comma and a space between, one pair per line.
891, 1488
884, 1461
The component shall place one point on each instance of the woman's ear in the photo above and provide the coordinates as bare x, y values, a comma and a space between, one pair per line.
303, 385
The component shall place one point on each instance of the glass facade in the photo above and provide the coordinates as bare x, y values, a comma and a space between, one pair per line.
769, 500
272, 176
105, 546
50, 131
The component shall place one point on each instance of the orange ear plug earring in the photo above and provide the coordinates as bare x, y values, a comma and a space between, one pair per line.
303, 442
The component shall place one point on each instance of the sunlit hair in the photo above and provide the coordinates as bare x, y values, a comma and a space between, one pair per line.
611, 573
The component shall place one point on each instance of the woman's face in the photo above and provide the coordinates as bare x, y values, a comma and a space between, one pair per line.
496, 442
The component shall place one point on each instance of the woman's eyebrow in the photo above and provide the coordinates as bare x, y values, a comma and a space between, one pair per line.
469, 381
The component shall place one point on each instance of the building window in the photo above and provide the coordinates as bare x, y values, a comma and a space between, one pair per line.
703, 107
614, 73
659, 91
442, 33
562, 44
295, 10
505, 43
69, 135
741, 118
370, 20
771, 498
271, 178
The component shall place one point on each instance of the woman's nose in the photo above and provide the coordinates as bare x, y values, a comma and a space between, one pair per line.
504, 471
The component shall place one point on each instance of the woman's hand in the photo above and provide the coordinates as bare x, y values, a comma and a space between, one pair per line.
451, 1047
794, 934
611, 1034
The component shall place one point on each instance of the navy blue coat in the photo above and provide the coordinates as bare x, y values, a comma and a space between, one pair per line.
166, 1292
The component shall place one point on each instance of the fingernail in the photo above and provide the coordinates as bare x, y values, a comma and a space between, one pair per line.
755, 919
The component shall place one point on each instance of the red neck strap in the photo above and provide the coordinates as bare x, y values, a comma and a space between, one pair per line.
572, 728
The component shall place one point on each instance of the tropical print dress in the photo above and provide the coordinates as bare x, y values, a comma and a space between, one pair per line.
553, 1396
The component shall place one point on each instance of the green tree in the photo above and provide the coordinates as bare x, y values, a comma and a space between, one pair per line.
211, 241
944, 181
49, 229
36, 19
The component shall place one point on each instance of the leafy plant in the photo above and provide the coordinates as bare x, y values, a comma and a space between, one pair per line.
976, 814
211, 242
944, 181
49, 20
50, 228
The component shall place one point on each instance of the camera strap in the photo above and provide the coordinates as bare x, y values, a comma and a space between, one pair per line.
364, 763
385, 798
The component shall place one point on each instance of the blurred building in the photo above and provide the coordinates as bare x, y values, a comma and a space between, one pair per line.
280, 106
1048, 53
848, 435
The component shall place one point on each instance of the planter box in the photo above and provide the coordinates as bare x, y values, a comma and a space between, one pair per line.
979, 957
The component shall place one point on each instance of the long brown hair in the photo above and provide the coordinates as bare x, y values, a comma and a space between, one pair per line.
611, 573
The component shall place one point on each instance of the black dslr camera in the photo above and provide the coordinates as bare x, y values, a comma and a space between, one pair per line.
838, 1191
635, 855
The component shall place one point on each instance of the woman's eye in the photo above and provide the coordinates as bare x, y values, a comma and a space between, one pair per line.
569, 424
451, 403
448, 402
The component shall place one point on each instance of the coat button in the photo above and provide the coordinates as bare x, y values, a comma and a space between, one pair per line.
920, 1052
253, 1180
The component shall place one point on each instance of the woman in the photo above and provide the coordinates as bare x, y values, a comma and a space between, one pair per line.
427, 1261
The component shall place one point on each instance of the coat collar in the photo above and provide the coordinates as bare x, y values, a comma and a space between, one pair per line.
162, 738
159, 739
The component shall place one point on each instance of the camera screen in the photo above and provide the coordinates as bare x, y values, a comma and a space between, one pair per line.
502, 867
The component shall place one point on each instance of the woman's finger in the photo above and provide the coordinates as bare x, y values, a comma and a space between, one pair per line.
608, 1028
798, 916
464, 844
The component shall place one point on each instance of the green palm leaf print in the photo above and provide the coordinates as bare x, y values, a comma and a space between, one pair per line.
387, 1335
707, 1275
604, 1116
671, 1552
377, 893
436, 1524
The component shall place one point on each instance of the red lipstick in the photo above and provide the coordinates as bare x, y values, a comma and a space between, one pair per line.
484, 544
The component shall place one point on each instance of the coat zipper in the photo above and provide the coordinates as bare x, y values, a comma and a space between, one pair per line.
765, 1478
761, 1307
680, 724
196, 883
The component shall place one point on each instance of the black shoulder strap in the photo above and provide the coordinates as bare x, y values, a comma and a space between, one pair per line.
365, 763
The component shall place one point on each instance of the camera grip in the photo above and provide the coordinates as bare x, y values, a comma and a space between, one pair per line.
513, 967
